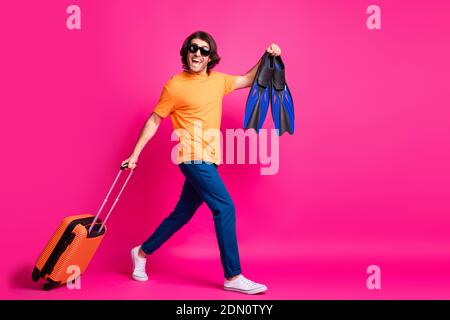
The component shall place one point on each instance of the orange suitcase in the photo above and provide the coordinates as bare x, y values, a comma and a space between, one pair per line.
74, 243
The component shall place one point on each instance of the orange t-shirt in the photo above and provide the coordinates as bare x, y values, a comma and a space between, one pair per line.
194, 102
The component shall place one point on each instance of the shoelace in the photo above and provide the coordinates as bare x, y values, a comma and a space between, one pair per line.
140, 263
248, 282
141, 266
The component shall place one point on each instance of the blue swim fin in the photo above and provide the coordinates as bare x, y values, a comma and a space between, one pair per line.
259, 96
282, 103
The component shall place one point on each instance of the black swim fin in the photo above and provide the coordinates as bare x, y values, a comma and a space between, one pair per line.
282, 103
259, 96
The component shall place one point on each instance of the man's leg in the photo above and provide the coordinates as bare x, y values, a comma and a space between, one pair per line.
208, 184
188, 203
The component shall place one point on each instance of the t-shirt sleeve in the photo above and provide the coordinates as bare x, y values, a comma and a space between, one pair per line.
230, 83
165, 104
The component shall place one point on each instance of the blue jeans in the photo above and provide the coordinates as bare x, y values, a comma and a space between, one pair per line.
202, 184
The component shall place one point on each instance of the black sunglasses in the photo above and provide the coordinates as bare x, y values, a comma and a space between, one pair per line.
193, 48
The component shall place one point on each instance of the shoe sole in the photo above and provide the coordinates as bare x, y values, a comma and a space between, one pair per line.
253, 291
139, 279
133, 276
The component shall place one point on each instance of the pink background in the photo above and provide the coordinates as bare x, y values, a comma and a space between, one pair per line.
365, 180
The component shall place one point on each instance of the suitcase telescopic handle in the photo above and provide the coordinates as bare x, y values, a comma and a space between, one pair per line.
122, 167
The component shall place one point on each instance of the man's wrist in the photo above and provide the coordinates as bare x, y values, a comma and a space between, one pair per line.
135, 155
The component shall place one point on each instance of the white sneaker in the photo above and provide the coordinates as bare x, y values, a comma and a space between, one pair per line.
138, 265
244, 285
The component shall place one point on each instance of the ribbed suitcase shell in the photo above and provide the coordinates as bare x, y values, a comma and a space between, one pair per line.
78, 253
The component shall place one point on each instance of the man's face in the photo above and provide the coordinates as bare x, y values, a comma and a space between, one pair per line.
196, 61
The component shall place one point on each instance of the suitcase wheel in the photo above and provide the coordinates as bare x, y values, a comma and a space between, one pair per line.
36, 274
49, 285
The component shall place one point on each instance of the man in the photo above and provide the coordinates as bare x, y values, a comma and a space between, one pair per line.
193, 98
